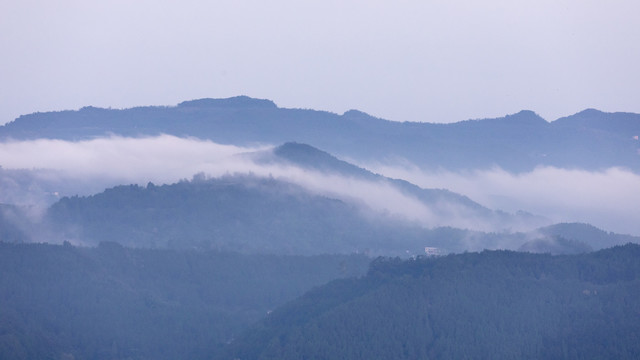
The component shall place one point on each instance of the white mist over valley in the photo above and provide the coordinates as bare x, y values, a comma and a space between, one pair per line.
285, 180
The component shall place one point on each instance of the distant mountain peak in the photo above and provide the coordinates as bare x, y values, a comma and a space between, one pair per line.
522, 117
92, 109
310, 157
526, 112
236, 101
295, 147
590, 112
355, 113
624, 124
526, 116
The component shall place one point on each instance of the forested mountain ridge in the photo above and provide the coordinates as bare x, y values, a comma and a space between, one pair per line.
66, 302
590, 139
588, 234
261, 215
257, 214
266, 215
489, 305
308, 157
238, 213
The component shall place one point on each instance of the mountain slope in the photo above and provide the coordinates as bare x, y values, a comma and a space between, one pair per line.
588, 234
64, 302
309, 157
334, 208
240, 213
441, 202
246, 214
261, 215
479, 305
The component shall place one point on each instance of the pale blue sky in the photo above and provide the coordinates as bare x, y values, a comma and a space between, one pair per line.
436, 61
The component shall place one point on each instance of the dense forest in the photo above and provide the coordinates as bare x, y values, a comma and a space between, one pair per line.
111, 302
238, 213
488, 305
251, 214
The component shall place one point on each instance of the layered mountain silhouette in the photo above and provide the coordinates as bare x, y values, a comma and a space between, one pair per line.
182, 269
589, 140
251, 209
311, 158
252, 214
441, 201
238, 213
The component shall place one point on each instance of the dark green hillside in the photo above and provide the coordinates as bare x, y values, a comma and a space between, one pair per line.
239, 213
263, 215
111, 302
489, 305
246, 214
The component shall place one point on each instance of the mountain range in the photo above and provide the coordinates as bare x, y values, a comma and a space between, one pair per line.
235, 229
254, 214
331, 205
590, 139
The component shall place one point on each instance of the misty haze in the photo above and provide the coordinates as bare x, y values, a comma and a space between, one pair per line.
192, 188
319, 180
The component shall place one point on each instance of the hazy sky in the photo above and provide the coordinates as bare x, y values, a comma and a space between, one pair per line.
437, 61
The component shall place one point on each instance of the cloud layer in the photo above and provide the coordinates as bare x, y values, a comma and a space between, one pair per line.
608, 199
85, 167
